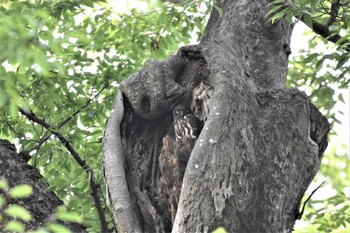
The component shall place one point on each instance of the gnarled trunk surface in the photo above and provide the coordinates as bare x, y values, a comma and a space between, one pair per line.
259, 149
42, 203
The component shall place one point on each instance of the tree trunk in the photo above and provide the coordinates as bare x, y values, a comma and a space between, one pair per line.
42, 203
259, 149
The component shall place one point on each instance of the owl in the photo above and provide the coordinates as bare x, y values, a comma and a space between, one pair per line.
186, 128
173, 160
185, 124
201, 100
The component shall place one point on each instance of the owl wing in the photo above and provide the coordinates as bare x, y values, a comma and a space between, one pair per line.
167, 192
192, 127
201, 100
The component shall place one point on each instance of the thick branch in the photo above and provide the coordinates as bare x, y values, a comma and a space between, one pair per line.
31, 116
42, 140
93, 184
334, 12
124, 213
323, 30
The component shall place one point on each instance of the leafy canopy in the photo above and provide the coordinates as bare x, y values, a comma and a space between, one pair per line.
63, 61
322, 71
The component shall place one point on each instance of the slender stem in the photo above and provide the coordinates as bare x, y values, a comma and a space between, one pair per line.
334, 13
93, 185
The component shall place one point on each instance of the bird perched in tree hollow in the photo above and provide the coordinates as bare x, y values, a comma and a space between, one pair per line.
186, 125
174, 157
187, 128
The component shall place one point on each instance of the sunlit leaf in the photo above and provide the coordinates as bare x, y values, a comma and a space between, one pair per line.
15, 226
21, 191
220, 230
219, 10
58, 228
19, 212
3, 184
274, 9
69, 217
308, 19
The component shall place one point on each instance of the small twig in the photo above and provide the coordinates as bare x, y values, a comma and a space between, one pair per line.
94, 193
31, 116
334, 13
84, 106
299, 215
14, 131
93, 185
69, 118
324, 7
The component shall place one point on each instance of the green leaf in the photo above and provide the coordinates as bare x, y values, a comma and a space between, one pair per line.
3, 185
40, 230
325, 57
2, 200
220, 230
274, 9
341, 61
308, 20
58, 228
279, 15
21, 191
275, 2
218, 9
311, 57
69, 217
88, 3
14, 226
17, 211
289, 17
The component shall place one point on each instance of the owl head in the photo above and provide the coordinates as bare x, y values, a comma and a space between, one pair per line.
180, 111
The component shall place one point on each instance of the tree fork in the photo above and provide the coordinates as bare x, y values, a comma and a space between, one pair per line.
259, 149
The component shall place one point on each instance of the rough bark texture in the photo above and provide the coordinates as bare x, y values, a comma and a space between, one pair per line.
42, 203
113, 163
261, 144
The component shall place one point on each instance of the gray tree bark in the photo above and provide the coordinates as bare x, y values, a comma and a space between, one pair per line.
259, 149
42, 203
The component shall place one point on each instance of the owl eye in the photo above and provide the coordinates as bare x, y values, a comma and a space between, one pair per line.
177, 111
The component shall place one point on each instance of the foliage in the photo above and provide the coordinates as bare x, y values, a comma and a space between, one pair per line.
13, 216
332, 213
322, 75
220, 230
63, 61
322, 71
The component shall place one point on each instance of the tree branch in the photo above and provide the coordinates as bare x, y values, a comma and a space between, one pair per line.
70, 117
84, 106
31, 116
93, 185
124, 211
334, 13
300, 215
14, 131
323, 30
